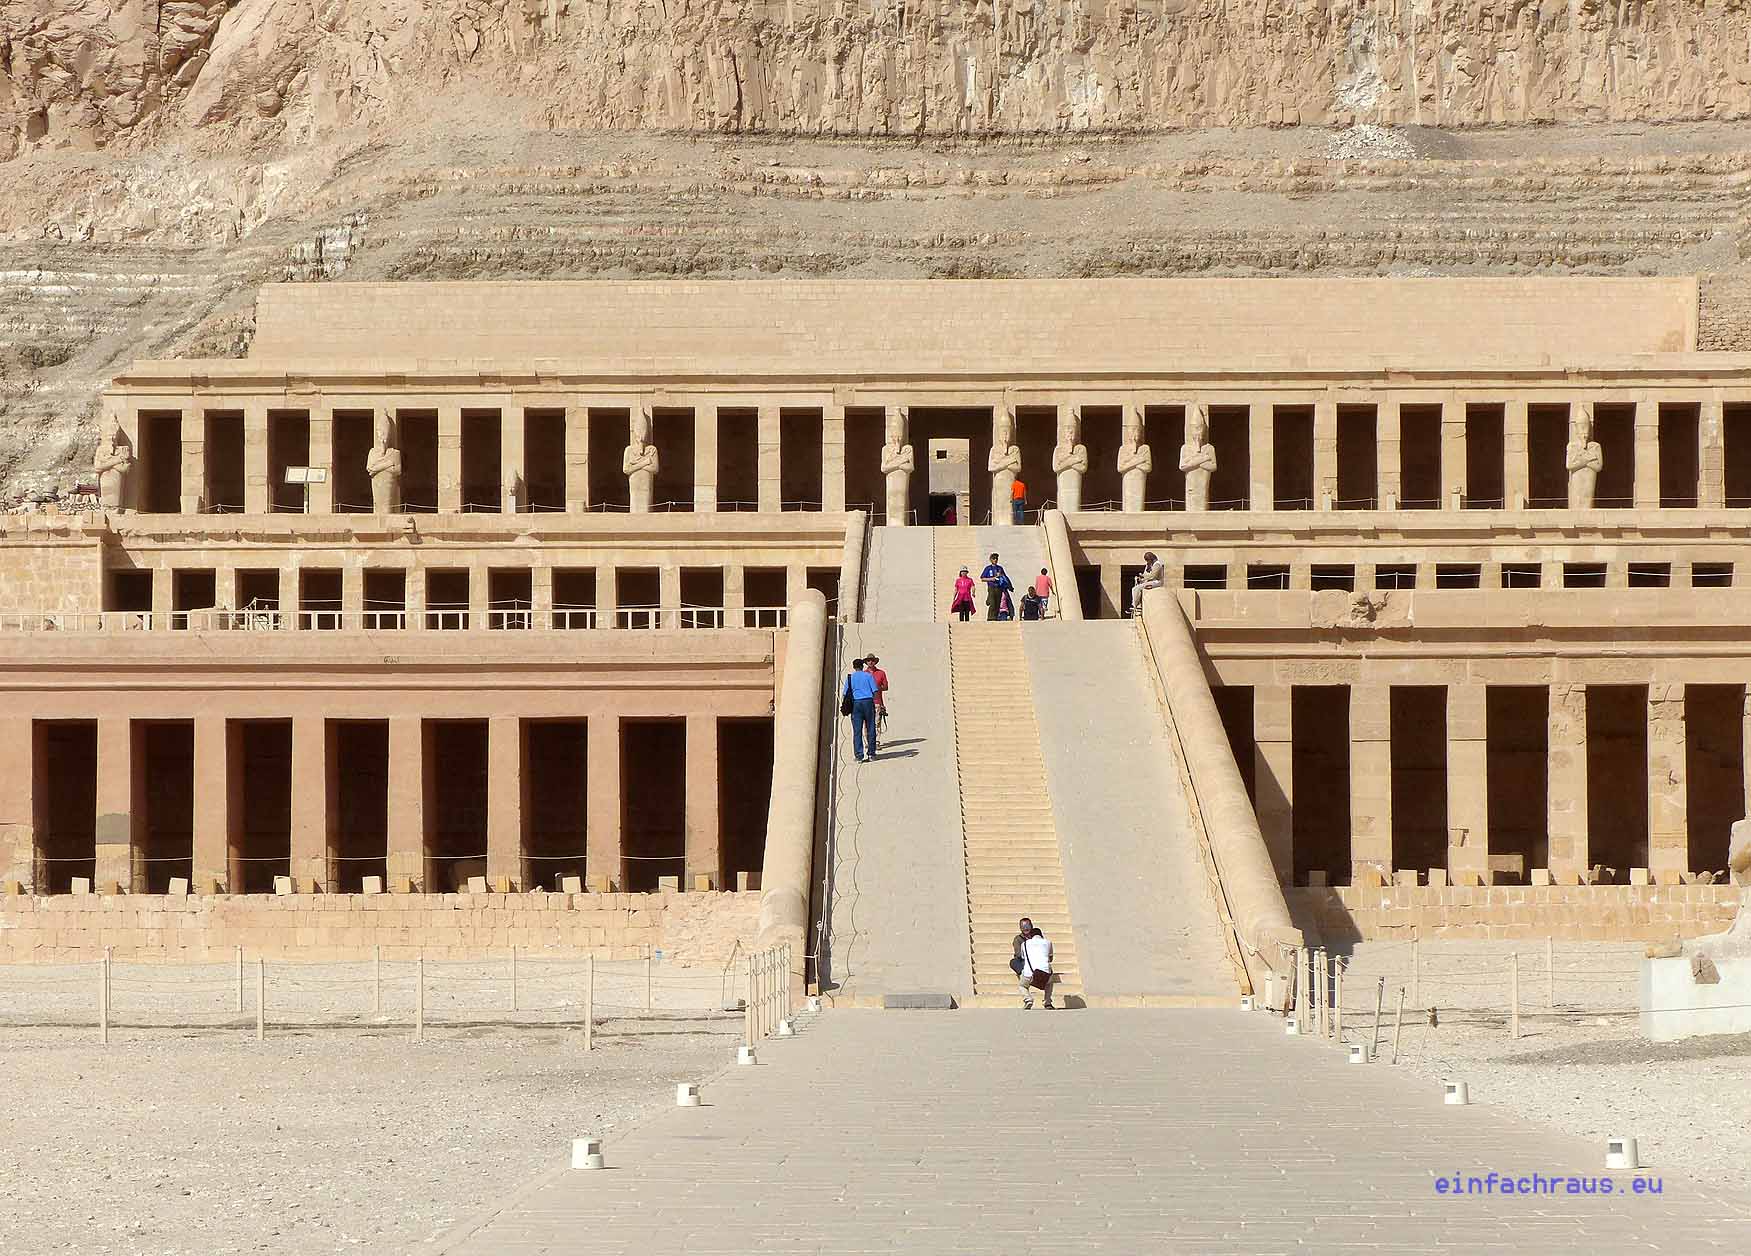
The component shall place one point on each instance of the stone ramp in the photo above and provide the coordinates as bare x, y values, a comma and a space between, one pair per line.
898, 916
1139, 892
897, 586
1012, 852
991, 1133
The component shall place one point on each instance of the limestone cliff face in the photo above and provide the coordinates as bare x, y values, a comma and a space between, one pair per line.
239, 74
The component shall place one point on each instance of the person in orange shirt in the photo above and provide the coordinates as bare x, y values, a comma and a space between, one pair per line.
1018, 500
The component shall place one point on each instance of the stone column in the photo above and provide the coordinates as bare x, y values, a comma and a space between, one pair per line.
640, 460
414, 596
1468, 814
507, 796
215, 795
1711, 459
18, 777
735, 594
669, 595
1136, 461
115, 804
1453, 475
1668, 796
577, 457
310, 797
449, 458
407, 803
193, 495
1274, 761
479, 597
352, 594
607, 595
256, 494
541, 594
1325, 468
704, 857
1389, 465
1069, 458
1261, 452
897, 463
602, 861
1004, 463
705, 428
1370, 779
1647, 455
1516, 455
833, 458
514, 459
1567, 791
768, 460
321, 496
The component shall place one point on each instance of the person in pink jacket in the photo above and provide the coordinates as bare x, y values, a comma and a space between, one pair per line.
963, 599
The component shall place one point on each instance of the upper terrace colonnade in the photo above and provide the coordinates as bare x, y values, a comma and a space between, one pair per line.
768, 396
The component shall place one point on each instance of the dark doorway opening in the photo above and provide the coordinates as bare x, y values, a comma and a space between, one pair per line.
65, 798
544, 461
224, 454
361, 801
1419, 453
738, 458
558, 824
1234, 703
417, 430
456, 792
1358, 458
164, 754
1485, 427
352, 437
610, 433
1292, 457
1617, 777
1547, 444
865, 488
1714, 771
1164, 431
1320, 769
672, 433
971, 425
160, 462
1678, 453
288, 446
1231, 482
653, 793
263, 802
744, 757
1418, 715
1614, 429
799, 460
1102, 433
482, 461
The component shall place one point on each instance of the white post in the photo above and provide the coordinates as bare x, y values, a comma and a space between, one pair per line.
1397, 1024
590, 1003
513, 978
419, 999
748, 1008
1338, 1011
1513, 994
647, 981
103, 998
240, 981
261, 998
377, 979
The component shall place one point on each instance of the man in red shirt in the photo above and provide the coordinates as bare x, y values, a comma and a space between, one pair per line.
881, 680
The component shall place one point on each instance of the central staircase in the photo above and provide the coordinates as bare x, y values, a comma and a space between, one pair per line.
1013, 864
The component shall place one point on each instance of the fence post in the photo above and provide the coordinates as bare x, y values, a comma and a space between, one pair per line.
377, 979
419, 999
1397, 1024
261, 998
647, 981
1513, 994
513, 978
1549, 973
240, 981
1338, 1006
1379, 1000
1416, 973
748, 1007
590, 1003
103, 998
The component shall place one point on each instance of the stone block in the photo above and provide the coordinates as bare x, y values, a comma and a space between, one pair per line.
179, 887
372, 885
1541, 876
746, 881
476, 885
283, 886
1437, 877
1638, 876
1315, 878
1405, 877
501, 885
571, 885
669, 885
702, 884
82, 885
599, 883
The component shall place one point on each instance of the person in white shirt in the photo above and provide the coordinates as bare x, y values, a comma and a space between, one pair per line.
1033, 954
1153, 576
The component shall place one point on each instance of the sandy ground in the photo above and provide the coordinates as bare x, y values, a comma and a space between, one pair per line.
1580, 1063
336, 1133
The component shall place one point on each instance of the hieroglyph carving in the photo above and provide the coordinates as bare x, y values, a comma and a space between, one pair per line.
896, 465
1584, 458
1069, 458
1197, 457
640, 462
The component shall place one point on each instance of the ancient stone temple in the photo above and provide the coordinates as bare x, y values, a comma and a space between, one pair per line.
543, 591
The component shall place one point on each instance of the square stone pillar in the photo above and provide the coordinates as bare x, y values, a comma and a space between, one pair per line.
321, 496
414, 598
705, 429
1567, 790
311, 789
1325, 455
507, 795
193, 494
1389, 461
513, 459
1468, 811
1261, 427
163, 596
479, 597
1711, 456
1647, 455
1274, 761
215, 796
833, 458
1516, 455
669, 594
1453, 477
607, 596
406, 854
449, 458
1370, 778
352, 594
577, 457
18, 777
541, 594
602, 861
704, 857
257, 497
771, 485
735, 594
116, 804
796, 580
1668, 794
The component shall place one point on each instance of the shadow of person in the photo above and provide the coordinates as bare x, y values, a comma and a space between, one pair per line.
904, 741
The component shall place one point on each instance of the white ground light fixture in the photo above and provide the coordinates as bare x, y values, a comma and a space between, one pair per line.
1622, 1153
587, 1154
687, 1095
1455, 1094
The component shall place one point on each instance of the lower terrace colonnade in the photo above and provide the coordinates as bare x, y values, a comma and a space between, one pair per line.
620, 801
1622, 443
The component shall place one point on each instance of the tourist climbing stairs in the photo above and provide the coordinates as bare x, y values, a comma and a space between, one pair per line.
1013, 863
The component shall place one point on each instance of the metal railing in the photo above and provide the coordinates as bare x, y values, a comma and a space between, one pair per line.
269, 619
764, 616
574, 617
702, 617
638, 617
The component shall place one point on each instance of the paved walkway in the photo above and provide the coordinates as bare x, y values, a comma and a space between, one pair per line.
1094, 1131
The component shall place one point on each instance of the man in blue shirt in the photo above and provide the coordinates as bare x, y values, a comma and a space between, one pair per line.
861, 687
996, 583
